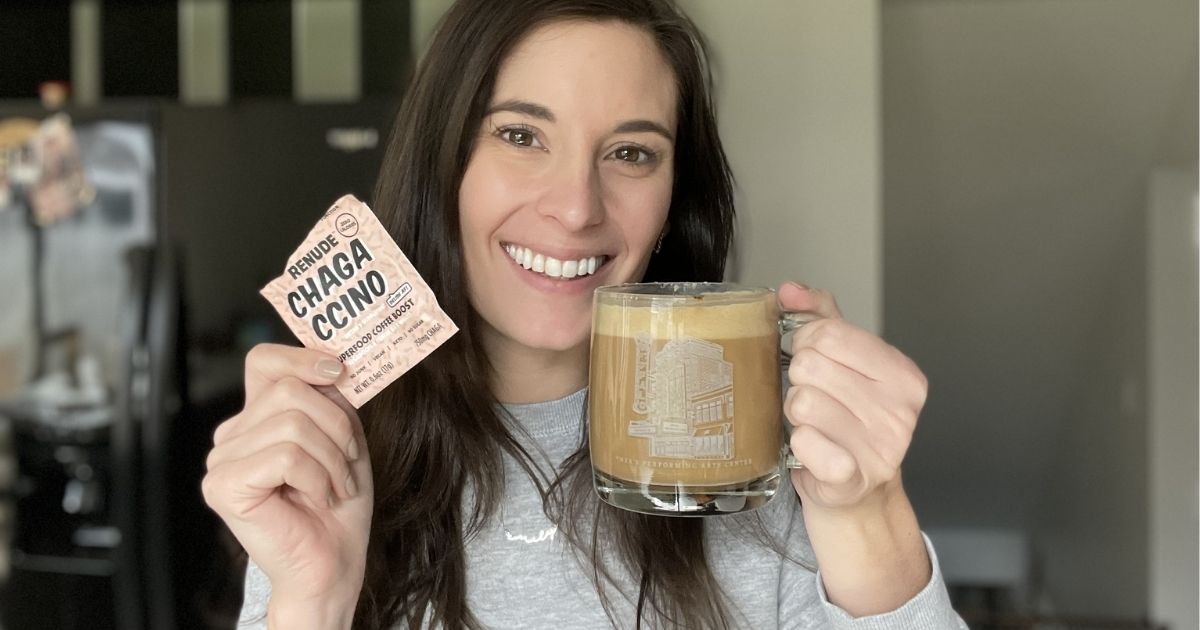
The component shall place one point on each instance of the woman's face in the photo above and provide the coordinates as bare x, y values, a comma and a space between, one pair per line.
568, 186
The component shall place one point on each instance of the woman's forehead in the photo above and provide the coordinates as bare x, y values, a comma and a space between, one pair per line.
596, 69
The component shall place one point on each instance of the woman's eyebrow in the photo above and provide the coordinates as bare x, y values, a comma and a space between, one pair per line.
522, 107
634, 126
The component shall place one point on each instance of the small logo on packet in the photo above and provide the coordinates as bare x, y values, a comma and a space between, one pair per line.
347, 225
349, 291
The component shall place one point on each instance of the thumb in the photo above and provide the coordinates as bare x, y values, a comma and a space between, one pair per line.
797, 297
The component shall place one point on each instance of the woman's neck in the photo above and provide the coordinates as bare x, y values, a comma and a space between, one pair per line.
521, 374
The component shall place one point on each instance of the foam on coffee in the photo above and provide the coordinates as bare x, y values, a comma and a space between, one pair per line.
732, 315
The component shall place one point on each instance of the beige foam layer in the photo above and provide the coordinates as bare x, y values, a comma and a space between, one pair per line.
721, 321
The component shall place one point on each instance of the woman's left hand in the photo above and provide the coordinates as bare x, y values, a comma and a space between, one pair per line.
853, 402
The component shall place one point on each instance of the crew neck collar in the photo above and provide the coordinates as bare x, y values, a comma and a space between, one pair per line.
561, 416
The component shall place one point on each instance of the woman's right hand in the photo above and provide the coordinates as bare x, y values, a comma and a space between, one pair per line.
290, 477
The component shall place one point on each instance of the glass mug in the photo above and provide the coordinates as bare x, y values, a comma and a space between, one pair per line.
685, 404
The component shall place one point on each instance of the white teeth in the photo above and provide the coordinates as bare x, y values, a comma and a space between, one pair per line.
553, 267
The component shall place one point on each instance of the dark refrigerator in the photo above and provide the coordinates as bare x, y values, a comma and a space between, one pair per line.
149, 295
91, 348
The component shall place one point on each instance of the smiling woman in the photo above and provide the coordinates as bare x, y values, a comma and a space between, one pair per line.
545, 148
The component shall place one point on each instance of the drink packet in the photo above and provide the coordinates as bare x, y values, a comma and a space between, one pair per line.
349, 291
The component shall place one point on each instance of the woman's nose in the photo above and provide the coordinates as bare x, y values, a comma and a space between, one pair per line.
573, 197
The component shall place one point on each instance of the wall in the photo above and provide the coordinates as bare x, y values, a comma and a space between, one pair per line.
1090, 522
798, 100
1173, 233
1019, 141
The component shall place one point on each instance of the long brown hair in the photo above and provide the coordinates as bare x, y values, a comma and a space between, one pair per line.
438, 430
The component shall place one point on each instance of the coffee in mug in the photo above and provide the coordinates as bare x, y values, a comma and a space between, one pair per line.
685, 402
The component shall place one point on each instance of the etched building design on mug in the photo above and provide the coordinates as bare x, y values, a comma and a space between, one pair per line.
685, 391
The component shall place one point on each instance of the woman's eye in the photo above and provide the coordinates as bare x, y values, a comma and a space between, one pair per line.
633, 154
519, 137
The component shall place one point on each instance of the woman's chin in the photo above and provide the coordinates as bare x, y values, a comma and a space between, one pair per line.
555, 337
560, 345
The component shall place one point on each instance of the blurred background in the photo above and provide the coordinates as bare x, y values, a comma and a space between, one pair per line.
1005, 189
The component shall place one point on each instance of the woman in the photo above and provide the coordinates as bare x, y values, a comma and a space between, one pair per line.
580, 131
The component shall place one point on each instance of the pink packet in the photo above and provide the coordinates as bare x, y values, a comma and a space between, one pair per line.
349, 291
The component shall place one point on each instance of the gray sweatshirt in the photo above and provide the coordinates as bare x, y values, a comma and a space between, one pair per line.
521, 574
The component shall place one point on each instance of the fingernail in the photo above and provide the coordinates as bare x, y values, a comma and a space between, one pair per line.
351, 487
328, 368
352, 449
799, 286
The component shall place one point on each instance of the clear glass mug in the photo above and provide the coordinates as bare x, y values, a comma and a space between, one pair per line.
685, 402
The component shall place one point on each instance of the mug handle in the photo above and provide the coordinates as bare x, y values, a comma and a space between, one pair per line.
789, 321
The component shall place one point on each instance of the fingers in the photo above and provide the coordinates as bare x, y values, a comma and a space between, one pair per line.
855, 391
823, 458
290, 440
235, 488
863, 352
876, 454
290, 427
267, 363
292, 394
886, 417
334, 394
846, 343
